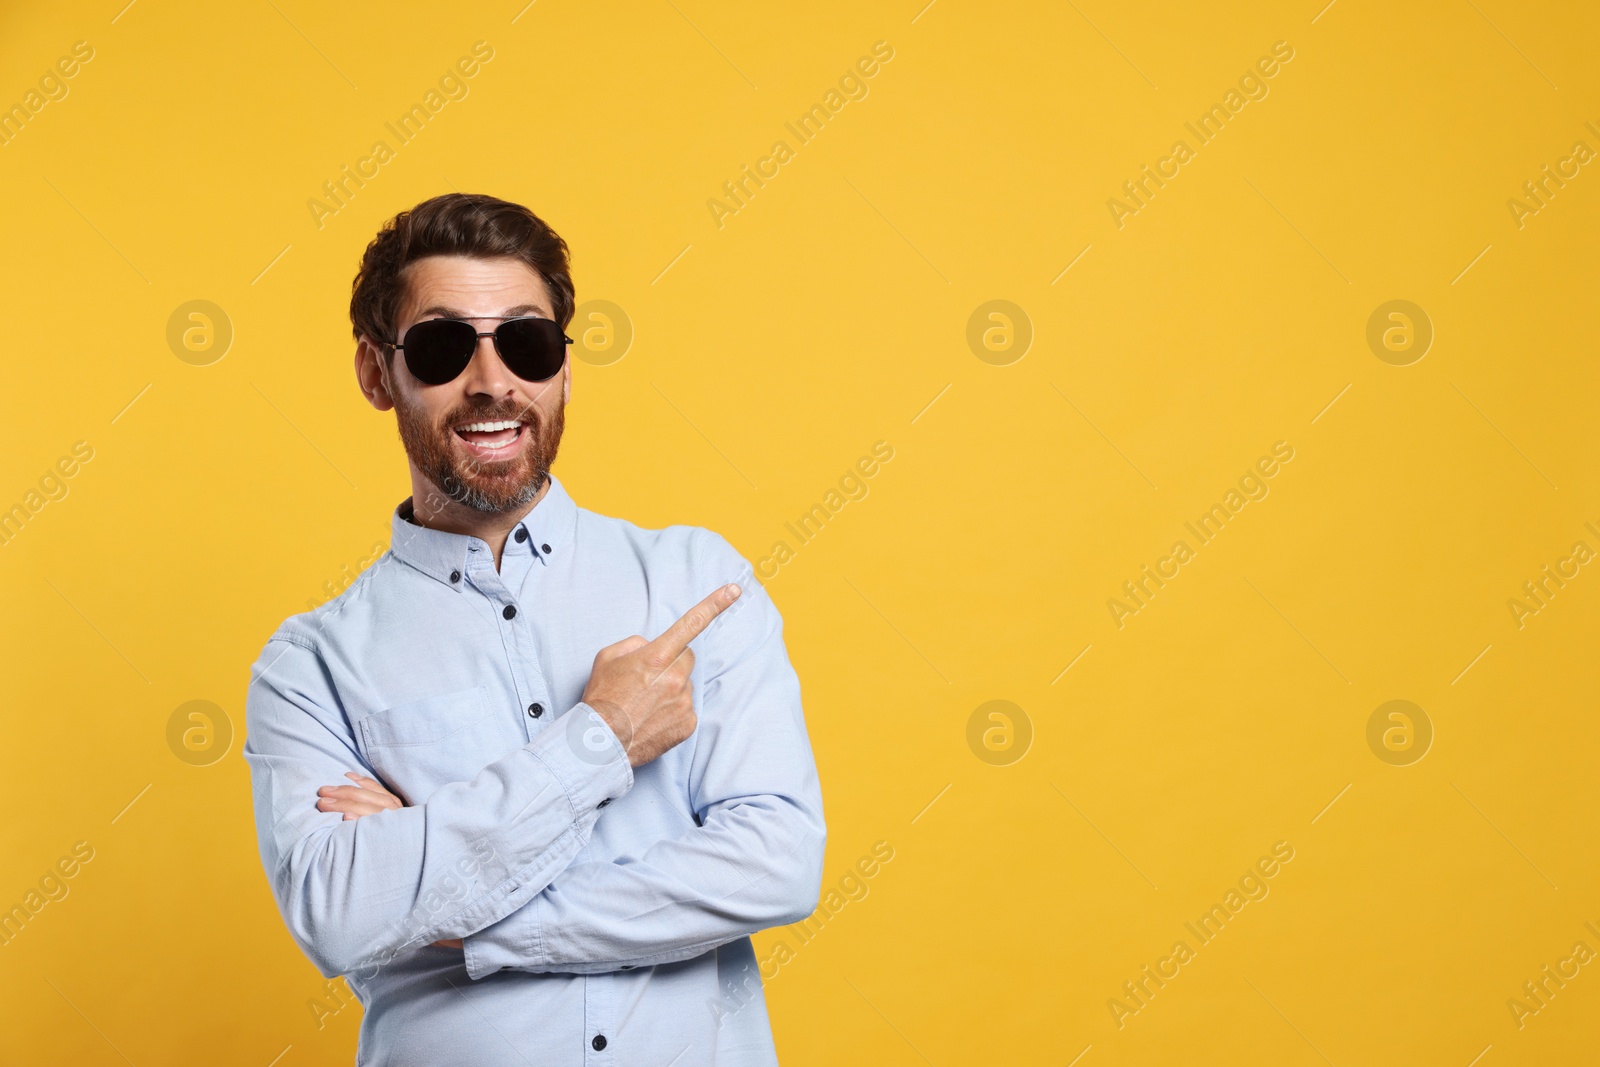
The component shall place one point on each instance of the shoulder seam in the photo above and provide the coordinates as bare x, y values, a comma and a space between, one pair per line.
294, 639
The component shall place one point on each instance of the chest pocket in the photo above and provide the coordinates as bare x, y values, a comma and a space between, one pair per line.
419, 746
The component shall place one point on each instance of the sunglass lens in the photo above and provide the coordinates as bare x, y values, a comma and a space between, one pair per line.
437, 350
534, 349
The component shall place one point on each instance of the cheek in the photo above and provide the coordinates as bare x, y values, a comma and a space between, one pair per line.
418, 417
425, 425
548, 395
440, 409
550, 408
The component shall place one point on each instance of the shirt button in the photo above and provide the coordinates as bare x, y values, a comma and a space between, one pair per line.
510, 612
545, 549
599, 1042
522, 535
535, 710
604, 802
455, 576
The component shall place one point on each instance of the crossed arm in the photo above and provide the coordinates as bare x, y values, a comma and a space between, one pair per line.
356, 890
366, 797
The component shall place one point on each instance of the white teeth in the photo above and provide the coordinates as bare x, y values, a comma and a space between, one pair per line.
490, 427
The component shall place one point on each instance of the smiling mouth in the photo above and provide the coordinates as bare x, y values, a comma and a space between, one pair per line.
492, 440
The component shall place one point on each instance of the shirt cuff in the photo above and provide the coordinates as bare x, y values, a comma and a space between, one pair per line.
515, 941
585, 758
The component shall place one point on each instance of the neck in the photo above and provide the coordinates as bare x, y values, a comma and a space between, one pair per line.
432, 509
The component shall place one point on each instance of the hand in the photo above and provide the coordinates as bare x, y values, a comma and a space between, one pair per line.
366, 797
641, 688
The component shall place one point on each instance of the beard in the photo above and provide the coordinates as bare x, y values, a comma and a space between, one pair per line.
484, 486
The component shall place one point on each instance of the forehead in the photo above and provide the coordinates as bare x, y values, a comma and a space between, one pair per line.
470, 286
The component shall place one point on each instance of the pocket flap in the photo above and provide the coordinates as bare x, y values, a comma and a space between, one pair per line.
427, 721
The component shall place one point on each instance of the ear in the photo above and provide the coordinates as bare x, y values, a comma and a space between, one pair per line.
566, 381
371, 374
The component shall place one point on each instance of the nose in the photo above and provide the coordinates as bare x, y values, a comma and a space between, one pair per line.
487, 374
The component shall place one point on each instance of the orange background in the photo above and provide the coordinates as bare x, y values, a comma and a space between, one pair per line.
1041, 459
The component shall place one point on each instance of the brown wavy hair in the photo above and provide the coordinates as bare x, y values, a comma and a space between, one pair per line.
455, 224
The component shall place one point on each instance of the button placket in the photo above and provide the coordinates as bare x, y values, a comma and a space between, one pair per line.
516, 562
518, 641
542, 712
599, 1035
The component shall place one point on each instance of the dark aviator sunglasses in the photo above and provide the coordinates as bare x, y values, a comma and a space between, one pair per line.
438, 350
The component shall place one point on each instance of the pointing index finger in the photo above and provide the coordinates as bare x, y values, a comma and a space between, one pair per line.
676, 638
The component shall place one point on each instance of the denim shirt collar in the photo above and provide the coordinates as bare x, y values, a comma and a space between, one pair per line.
439, 554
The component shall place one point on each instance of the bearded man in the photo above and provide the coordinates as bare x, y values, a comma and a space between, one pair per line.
524, 832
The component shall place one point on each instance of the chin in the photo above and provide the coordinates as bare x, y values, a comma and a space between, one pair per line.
495, 495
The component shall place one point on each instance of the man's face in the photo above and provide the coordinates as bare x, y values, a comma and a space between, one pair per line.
486, 470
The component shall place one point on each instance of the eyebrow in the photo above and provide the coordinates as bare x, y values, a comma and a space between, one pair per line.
508, 313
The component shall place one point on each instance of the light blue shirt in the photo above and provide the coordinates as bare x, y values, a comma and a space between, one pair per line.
593, 937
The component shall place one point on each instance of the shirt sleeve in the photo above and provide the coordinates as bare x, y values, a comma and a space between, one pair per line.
755, 860
357, 893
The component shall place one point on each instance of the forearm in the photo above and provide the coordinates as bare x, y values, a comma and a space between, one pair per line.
753, 865
357, 893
